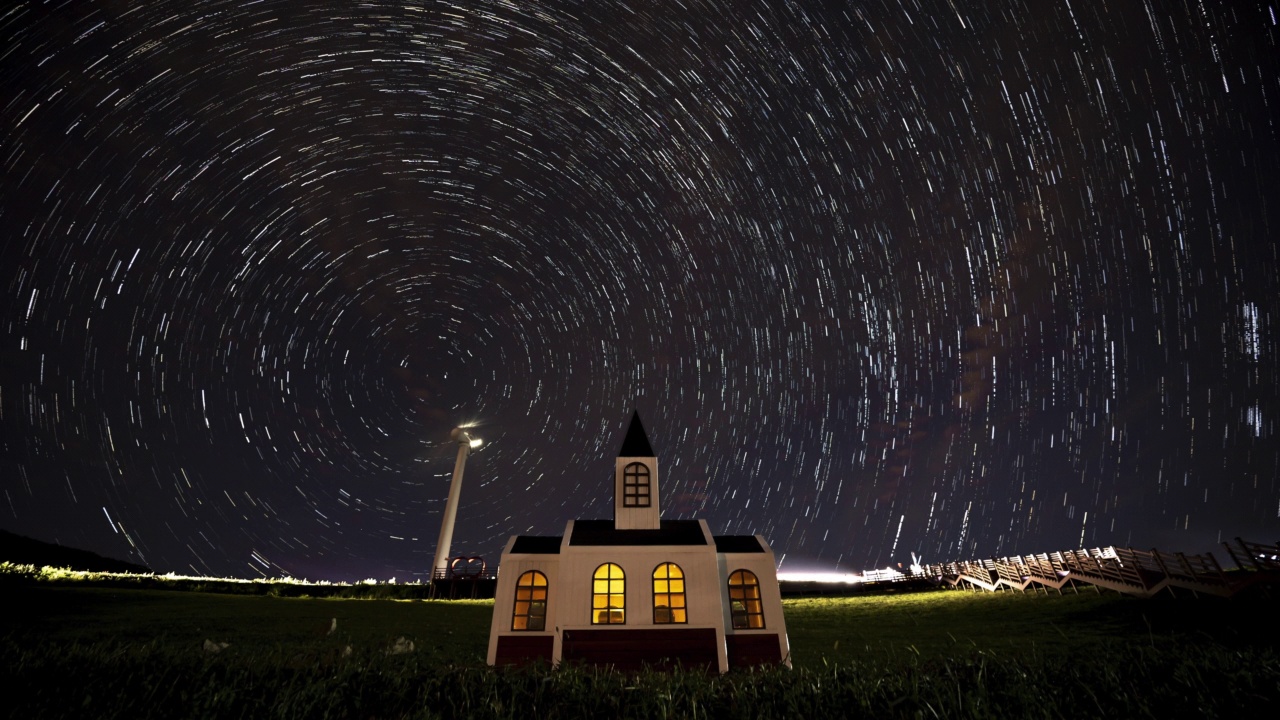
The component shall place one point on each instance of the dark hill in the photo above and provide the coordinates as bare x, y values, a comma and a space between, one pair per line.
27, 551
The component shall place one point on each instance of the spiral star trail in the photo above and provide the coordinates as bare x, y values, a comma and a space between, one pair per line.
958, 279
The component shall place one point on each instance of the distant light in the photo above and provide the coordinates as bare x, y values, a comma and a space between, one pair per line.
887, 574
820, 577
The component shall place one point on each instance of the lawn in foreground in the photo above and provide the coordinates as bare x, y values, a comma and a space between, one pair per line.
90, 653
881, 628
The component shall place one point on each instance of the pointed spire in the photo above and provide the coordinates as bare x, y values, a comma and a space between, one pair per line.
636, 443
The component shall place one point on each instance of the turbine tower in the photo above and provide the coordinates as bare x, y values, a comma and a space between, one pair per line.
440, 568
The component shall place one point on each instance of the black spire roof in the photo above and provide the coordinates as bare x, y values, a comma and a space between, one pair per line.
636, 443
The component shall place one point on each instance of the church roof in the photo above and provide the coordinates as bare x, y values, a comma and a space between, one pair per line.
537, 544
671, 532
602, 532
636, 443
738, 544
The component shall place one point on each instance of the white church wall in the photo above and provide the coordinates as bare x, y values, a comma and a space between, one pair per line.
636, 518
509, 572
764, 567
702, 601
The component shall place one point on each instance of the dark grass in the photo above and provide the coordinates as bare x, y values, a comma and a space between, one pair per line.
454, 631
942, 624
93, 652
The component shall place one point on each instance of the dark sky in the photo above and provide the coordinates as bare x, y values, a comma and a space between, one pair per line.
959, 278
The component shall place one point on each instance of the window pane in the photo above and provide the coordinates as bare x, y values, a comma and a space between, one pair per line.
608, 595
668, 594
530, 605
635, 485
744, 594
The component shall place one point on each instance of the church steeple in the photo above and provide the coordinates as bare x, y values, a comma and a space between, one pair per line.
636, 444
635, 482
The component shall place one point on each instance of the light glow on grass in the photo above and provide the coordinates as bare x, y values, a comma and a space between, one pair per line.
50, 573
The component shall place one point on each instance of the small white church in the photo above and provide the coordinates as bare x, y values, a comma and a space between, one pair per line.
638, 590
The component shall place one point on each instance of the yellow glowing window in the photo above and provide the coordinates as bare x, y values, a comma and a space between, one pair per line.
531, 602
744, 600
635, 485
668, 595
608, 596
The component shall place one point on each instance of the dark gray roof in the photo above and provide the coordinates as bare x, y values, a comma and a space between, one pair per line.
636, 444
537, 544
738, 544
671, 532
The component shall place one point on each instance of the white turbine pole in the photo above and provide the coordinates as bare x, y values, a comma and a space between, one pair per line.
465, 443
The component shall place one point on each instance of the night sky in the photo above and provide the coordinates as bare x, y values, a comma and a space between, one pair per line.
958, 278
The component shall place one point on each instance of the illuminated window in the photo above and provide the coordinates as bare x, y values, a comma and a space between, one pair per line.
668, 594
635, 485
531, 602
608, 596
744, 600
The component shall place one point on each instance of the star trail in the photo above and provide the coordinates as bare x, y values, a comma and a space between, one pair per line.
952, 278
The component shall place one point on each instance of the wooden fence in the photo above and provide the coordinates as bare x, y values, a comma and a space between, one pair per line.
1143, 573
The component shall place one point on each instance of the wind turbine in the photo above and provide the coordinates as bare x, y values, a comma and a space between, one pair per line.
440, 568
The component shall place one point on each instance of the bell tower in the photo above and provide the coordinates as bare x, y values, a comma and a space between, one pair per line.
635, 482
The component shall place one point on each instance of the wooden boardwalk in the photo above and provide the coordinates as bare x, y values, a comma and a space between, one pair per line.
1142, 573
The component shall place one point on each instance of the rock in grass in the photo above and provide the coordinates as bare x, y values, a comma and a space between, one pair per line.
401, 646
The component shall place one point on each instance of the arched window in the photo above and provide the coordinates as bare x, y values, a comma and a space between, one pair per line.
608, 596
668, 595
531, 602
635, 485
744, 600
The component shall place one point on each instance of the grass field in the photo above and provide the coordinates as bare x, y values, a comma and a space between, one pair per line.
99, 652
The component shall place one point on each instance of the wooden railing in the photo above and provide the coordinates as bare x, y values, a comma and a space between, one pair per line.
1135, 572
